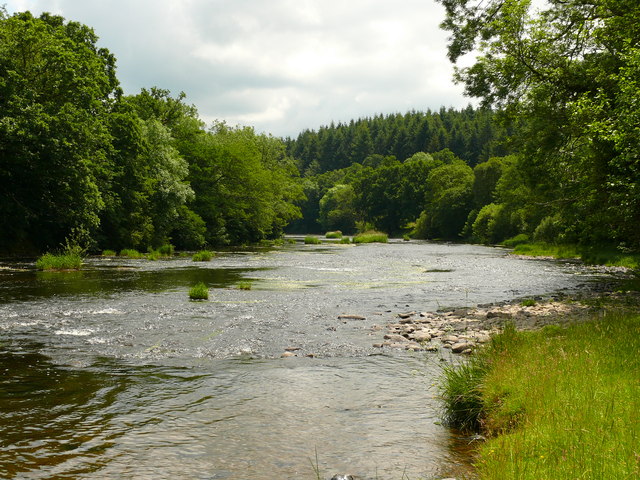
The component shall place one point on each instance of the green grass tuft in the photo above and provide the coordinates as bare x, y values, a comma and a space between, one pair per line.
244, 285
345, 240
130, 253
202, 256
109, 253
334, 234
49, 261
528, 302
517, 240
311, 240
199, 292
371, 237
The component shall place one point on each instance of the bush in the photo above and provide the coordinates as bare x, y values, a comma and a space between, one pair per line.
109, 253
245, 285
334, 234
130, 253
345, 240
311, 240
166, 250
202, 256
549, 230
199, 292
50, 261
371, 237
517, 240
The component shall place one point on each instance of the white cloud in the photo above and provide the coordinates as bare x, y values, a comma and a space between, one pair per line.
281, 66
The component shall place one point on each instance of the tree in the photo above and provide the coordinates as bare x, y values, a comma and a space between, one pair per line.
566, 77
55, 94
337, 210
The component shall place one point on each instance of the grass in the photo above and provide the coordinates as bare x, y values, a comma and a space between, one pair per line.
517, 240
244, 285
311, 240
371, 237
528, 302
593, 255
130, 253
334, 234
202, 256
109, 253
199, 292
557, 403
345, 240
66, 261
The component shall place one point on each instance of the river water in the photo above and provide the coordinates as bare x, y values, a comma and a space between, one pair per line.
112, 372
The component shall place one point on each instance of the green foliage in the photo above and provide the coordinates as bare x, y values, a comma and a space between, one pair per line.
130, 253
492, 224
64, 261
371, 237
337, 209
565, 77
202, 256
519, 239
166, 250
335, 234
311, 240
199, 292
345, 240
245, 285
109, 253
528, 302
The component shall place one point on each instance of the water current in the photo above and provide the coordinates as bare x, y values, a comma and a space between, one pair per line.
112, 372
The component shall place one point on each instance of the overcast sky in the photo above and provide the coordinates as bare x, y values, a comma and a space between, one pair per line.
279, 65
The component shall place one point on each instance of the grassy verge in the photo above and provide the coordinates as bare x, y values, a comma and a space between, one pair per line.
371, 237
595, 256
67, 261
556, 403
335, 234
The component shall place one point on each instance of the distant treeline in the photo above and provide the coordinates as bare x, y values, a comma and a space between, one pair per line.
471, 134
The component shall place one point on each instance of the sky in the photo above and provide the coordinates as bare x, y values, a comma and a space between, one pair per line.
281, 66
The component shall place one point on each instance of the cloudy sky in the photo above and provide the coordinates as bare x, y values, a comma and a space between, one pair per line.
278, 65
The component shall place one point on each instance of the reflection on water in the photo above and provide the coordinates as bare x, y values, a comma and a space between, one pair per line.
112, 372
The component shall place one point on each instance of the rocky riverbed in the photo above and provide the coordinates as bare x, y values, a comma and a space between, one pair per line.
463, 330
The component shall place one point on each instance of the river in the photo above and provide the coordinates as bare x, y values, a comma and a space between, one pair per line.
112, 372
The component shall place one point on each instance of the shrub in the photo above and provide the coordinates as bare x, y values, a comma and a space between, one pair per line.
517, 240
154, 255
166, 250
345, 240
130, 253
50, 261
109, 253
371, 237
245, 285
334, 234
199, 292
311, 240
202, 256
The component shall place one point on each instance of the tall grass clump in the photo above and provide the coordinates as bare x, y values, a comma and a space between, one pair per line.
202, 256
64, 261
371, 237
245, 285
130, 253
311, 240
517, 240
199, 292
562, 403
166, 250
109, 253
334, 234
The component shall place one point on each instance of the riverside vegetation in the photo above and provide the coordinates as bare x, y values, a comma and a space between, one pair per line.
559, 402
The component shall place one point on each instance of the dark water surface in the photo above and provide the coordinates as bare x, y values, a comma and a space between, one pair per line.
112, 372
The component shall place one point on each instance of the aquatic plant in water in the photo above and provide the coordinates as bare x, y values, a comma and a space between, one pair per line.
49, 261
199, 292
202, 256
